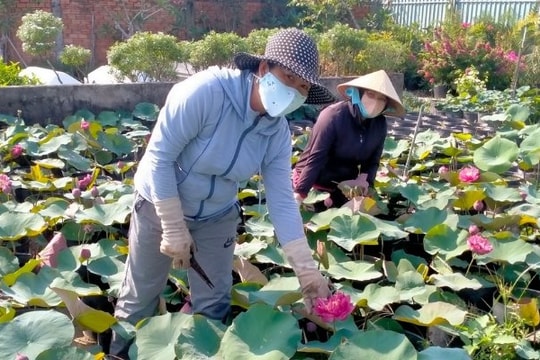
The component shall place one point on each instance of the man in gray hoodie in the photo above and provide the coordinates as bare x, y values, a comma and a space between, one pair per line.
217, 129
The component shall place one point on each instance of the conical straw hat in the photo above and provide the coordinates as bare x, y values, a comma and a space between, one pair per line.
380, 82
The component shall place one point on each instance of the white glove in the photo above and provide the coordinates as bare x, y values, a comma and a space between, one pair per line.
176, 241
313, 284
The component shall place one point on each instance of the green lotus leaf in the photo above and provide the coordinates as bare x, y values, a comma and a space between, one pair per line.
423, 220
394, 149
50, 145
29, 266
400, 256
50, 163
376, 344
348, 231
441, 200
410, 284
34, 332
467, 199
260, 226
7, 312
456, 281
322, 220
437, 353
74, 159
249, 248
241, 293
496, 155
496, 223
431, 314
252, 335
157, 336
502, 193
441, 239
108, 118
146, 111
328, 346
53, 208
279, 291
111, 271
71, 281
8, 262
14, 226
116, 143
354, 270
105, 214
104, 157
377, 297
33, 290
390, 230
315, 196
511, 251
200, 338
271, 255
518, 112
66, 353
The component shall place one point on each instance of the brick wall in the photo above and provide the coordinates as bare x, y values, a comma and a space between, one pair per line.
91, 23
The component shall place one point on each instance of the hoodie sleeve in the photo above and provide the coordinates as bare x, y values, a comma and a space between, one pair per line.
276, 173
179, 121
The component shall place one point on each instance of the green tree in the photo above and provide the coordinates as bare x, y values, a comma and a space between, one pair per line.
38, 33
148, 56
338, 49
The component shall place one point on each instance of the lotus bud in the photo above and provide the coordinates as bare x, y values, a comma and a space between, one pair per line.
20, 356
76, 192
328, 202
523, 195
311, 326
474, 229
85, 254
120, 164
443, 170
95, 191
478, 205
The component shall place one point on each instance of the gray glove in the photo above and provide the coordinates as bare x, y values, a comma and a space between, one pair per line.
176, 240
313, 284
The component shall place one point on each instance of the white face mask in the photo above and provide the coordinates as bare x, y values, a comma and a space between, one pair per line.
277, 98
372, 106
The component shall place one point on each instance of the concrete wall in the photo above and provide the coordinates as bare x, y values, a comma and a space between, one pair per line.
52, 103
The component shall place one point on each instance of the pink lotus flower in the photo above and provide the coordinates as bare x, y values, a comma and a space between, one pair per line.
479, 244
336, 307
469, 174
85, 125
5, 184
328, 202
16, 151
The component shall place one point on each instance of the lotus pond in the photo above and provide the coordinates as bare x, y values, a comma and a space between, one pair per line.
441, 260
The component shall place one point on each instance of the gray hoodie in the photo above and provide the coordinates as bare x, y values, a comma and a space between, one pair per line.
207, 140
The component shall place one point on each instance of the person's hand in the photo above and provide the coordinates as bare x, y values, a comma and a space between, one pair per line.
298, 198
312, 283
176, 240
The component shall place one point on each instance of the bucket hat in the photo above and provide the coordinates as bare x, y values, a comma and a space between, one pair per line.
380, 82
296, 51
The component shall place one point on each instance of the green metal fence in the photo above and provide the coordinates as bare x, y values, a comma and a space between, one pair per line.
431, 12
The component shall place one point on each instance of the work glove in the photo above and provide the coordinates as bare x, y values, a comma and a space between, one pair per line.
298, 198
312, 283
176, 240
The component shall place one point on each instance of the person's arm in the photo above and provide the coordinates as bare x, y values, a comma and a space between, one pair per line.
285, 217
319, 146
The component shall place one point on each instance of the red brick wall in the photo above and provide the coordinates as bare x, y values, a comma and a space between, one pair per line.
89, 23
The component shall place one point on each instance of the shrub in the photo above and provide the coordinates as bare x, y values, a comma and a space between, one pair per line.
77, 58
9, 75
382, 53
338, 49
216, 49
148, 56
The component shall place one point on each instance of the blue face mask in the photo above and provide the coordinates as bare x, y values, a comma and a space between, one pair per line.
354, 94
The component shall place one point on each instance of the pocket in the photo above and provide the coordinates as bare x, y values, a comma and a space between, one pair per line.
139, 202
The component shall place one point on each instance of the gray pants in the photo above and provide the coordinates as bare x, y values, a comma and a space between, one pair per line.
147, 268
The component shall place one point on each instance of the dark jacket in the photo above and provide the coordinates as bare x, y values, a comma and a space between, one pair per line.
340, 142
